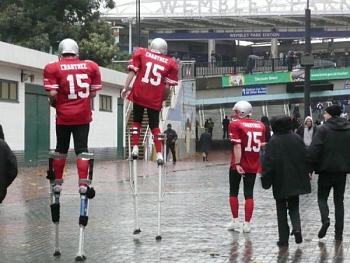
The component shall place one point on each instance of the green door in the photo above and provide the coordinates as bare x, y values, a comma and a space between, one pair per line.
37, 125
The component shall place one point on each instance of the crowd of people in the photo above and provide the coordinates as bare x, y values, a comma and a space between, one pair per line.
286, 157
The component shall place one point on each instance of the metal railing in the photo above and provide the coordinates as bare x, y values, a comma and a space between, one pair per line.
219, 68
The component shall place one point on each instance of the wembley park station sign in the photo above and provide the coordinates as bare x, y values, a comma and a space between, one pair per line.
284, 77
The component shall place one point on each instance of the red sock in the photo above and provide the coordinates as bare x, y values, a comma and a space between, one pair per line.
58, 166
157, 142
249, 207
83, 169
136, 136
234, 206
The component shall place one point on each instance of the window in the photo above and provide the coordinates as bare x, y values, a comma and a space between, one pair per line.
105, 103
8, 90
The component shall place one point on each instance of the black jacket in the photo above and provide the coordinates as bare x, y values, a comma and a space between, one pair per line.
329, 151
225, 123
170, 136
284, 165
205, 142
8, 168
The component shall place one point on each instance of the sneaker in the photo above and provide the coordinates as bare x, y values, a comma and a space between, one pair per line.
338, 237
135, 152
246, 227
298, 237
282, 244
160, 160
233, 225
323, 231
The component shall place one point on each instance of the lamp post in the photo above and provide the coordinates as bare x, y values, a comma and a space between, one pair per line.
307, 60
138, 21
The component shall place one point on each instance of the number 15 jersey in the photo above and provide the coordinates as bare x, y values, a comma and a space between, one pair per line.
153, 71
73, 79
250, 134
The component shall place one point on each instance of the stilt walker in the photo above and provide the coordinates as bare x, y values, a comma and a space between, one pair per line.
71, 84
153, 72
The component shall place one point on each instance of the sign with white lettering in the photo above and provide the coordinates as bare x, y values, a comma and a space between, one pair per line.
249, 35
254, 90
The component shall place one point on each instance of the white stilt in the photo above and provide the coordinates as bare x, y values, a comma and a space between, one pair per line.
160, 173
137, 229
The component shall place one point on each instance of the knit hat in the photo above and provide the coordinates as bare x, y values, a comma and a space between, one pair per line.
333, 110
281, 124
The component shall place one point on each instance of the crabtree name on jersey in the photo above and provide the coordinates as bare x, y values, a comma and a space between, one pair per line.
251, 125
73, 66
156, 57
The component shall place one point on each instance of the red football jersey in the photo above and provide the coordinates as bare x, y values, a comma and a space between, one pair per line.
73, 79
250, 134
153, 71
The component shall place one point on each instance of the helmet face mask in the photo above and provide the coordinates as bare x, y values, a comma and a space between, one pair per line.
159, 45
242, 109
68, 46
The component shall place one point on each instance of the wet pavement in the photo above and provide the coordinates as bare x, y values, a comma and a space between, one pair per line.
195, 212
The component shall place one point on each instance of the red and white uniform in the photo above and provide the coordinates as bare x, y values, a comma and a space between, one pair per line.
250, 134
153, 71
73, 79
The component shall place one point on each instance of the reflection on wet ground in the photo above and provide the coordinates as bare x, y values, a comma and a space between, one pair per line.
195, 212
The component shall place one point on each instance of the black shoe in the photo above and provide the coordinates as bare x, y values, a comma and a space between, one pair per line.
338, 237
282, 244
323, 231
298, 237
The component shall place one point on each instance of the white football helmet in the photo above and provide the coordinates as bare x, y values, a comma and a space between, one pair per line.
68, 46
243, 108
159, 45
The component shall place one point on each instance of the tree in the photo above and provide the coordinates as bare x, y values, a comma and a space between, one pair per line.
42, 24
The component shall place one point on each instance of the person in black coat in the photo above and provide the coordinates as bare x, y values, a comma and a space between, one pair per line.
284, 168
329, 155
205, 144
8, 168
225, 124
170, 140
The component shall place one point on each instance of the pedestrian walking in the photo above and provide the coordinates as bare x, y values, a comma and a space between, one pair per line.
155, 72
170, 137
329, 157
286, 171
225, 124
247, 136
210, 126
307, 131
205, 142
